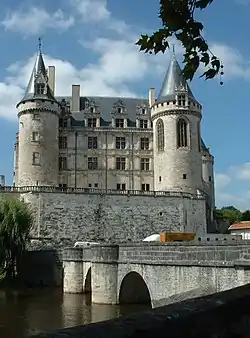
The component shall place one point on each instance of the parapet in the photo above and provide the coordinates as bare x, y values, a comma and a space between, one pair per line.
105, 253
72, 254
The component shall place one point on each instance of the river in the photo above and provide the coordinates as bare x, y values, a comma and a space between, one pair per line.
32, 311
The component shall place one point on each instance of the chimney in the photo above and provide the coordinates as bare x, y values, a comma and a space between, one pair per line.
51, 76
75, 100
151, 97
2, 181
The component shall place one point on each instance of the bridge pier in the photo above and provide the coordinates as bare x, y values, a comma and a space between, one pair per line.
104, 272
72, 270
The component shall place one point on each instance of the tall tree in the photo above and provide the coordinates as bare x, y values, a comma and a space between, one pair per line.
15, 224
229, 213
179, 21
245, 216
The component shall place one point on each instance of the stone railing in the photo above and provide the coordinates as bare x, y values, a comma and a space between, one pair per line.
225, 314
50, 189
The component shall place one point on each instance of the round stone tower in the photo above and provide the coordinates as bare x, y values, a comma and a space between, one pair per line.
208, 177
38, 114
176, 117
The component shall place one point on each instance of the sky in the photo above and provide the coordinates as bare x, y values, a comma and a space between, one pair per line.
92, 43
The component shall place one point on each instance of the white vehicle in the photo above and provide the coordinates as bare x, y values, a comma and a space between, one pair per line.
84, 244
152, 238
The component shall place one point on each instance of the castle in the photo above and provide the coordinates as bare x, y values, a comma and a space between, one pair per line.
142, 158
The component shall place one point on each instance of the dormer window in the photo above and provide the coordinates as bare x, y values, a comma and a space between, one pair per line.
181, 100
143, 111
143, 124
119, 123
39, 88
119, 110
92, 109
92, 122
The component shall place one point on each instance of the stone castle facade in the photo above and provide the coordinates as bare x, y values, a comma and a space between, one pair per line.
119, 146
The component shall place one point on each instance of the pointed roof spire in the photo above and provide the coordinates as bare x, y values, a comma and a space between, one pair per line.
173, 81
38, 86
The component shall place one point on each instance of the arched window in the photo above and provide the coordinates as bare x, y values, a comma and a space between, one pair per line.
182, 133
160, 135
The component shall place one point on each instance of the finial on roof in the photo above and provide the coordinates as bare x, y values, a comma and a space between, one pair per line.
173, 51
39, 44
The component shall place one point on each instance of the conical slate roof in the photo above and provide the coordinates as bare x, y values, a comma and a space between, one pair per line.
173, 80
38, 75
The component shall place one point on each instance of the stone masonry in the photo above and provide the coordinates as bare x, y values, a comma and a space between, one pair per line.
114, 217
168, 272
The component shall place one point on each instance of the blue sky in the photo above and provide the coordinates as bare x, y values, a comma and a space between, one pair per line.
91, 42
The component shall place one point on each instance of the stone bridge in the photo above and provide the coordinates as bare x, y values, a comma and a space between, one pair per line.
158, 273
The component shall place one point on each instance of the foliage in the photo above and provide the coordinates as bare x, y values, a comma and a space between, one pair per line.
232, 214
15, 223
245, 216
178, 20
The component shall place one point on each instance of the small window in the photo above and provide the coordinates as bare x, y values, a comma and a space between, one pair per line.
62, 163
184, 176
120, 163
144, 143
145, 187
92, 109
90, 185
92, 122
63, 142
119, 123
120, 143
182, 133
181, 100
160, 135
159, 178
63, 123
210, 179
63, 185
36, 117
35, 136
144, 164
143, 124
40, 88
144, 111
119, 110
92, 142
92, 163
121, 186
96, 185
36, 158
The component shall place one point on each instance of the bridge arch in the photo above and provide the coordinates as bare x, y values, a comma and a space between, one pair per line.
134, 290
87, 282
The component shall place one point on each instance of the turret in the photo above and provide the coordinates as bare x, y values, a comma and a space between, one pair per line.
176, 116
208, 177
38, 114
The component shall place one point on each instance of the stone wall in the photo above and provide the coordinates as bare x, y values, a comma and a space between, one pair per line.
41, 268
113, 217
226, 314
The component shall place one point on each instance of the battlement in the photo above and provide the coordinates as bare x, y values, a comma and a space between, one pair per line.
50, 189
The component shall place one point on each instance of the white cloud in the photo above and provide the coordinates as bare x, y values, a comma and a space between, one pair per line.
111, 75
97, 11
91, 10
36, 20
235, 65
229, 190
241, 172
221, 181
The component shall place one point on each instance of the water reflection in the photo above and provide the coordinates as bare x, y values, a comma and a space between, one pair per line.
32, 311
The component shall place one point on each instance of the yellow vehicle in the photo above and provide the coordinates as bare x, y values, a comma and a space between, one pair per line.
176, 236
